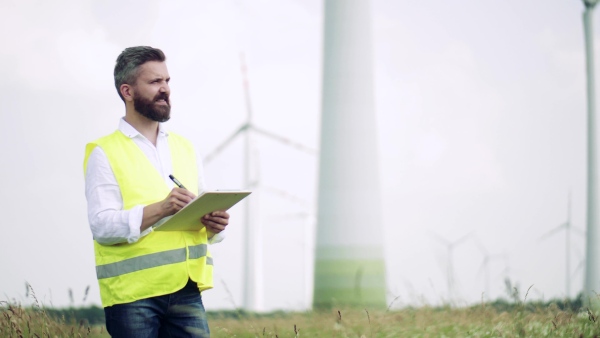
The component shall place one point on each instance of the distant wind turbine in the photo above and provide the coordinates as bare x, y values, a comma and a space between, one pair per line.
485, 267
307, 216
567, 226
450, 246
253, 268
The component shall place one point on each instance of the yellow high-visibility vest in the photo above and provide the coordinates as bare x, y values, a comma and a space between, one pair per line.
162, 261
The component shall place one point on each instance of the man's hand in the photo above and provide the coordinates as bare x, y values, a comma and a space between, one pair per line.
216, 221
177, 199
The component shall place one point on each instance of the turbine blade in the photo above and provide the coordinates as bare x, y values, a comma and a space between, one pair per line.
285, 140
553, 231
225, 143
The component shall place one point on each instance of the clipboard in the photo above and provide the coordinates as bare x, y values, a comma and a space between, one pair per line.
188, 218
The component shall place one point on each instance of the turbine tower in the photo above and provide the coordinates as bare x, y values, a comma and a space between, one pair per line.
592, 268
349, 257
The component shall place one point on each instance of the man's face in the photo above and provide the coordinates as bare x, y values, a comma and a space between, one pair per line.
151, 91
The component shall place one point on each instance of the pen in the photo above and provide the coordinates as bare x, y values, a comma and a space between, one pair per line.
176, 182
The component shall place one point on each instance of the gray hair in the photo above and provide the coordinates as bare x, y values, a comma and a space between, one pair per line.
129, 61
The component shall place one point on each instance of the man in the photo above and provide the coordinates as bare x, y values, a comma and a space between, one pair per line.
150, 281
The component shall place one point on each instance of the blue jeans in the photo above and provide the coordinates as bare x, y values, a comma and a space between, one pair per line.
180, 314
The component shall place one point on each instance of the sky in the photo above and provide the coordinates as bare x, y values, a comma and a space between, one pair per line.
481, 115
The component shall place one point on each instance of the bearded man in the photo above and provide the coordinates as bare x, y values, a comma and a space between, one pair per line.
150, 281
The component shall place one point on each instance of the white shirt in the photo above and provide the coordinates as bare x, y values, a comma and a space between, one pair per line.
110, 224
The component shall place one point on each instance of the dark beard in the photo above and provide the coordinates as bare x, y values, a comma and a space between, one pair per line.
148, 108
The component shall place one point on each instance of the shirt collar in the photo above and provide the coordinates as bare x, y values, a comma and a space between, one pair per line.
131, 132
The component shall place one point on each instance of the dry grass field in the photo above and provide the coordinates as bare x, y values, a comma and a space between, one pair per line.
514, 318
422, 322
476, 321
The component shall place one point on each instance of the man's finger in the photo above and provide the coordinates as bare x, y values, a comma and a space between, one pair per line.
222, 214
216, 227
183, 192
218, 220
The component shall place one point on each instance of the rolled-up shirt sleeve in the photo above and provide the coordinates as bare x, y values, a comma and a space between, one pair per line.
217, 238
110, 224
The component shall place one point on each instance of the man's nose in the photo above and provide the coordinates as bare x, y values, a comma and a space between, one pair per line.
165, 88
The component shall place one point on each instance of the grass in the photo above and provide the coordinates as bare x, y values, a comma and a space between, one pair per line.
497, 319
479, 321
36, 321
476, 321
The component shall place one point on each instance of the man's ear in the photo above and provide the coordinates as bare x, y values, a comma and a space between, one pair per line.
127, 92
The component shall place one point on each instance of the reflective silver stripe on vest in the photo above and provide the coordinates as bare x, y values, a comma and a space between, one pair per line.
149, 261
209, 261
198, 251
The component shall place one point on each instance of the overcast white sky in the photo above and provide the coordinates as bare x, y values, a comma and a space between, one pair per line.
481, 114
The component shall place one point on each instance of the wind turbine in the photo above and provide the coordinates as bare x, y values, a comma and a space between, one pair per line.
253, 267
306, 243
450, 246
592, 270
253, 259
349, 252
567, 226
487, 257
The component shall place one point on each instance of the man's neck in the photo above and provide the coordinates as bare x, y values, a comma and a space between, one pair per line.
143, 125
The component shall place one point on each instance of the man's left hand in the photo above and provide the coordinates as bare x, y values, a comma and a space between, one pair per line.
216, 221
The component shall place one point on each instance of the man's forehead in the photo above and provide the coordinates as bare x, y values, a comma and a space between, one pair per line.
153, 69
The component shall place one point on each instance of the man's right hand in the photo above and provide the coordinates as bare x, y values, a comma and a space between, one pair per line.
175, 201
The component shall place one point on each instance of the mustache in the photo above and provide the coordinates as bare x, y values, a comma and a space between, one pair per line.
162, 96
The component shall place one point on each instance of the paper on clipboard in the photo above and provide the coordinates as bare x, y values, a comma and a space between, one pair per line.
188, 218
